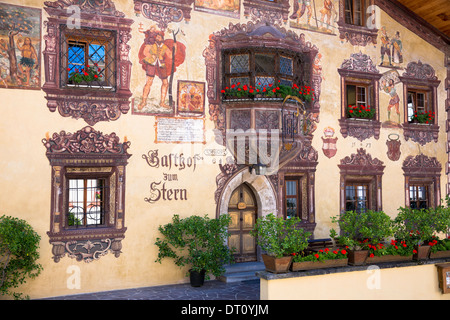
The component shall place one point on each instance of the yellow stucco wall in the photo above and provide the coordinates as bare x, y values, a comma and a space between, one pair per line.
25, 171
406, 283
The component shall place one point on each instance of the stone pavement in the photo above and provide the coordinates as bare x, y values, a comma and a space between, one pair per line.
211, 290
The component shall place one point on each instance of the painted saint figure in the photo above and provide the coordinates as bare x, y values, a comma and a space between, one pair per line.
29, 59
299, 9
156, 56
397, 47
385, 46
395, 100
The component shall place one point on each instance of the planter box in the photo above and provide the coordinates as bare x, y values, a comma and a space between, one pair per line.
422, 253
277, 265
310, 265
440, 254
388, 258
357, 257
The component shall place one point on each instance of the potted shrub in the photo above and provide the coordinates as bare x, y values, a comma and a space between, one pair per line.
417, 227
19, 245
440, 247
278, 239
198, 242
324, 258
358, 230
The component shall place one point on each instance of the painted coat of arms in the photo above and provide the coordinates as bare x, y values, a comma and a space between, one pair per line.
329, 142
20, 43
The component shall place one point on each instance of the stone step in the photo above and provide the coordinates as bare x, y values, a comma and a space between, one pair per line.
241, 271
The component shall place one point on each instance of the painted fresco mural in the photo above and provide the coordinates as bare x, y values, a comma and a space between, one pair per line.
159, 58
222, 7
20, 47
320, 16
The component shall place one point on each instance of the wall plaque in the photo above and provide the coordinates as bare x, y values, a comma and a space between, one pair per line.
180, 130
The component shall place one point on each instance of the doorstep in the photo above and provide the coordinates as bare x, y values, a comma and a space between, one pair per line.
243, 271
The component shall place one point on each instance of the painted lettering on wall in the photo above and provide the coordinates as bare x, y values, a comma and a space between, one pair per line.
161, 190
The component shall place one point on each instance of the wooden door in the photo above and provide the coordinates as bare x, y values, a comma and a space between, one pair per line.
242, 210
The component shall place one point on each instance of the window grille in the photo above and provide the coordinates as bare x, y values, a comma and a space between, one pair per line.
87, 203
88, 58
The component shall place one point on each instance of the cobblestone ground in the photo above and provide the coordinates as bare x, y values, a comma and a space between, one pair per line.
211, 290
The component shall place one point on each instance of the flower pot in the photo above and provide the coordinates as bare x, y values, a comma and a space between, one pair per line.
277, 265
422, 252
357, 257
197, 278
310, 265
440, 254
388, 258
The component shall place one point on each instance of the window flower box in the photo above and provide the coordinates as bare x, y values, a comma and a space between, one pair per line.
324, 258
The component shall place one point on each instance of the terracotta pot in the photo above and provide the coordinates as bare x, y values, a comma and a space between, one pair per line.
277, 265
422, 252
357, 257
388, 258
310, 265
440, 254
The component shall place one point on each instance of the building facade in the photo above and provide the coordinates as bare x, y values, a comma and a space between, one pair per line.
125, 120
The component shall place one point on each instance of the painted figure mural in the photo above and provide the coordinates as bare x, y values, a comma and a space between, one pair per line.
392, 49
388, 82
159, 57
311, 16
20, 37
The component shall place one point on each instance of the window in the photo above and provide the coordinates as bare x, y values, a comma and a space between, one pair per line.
422, 181
356, 22
293, 200
264, 67
88, 193
360, 97
361, 182
418, 196
87, 202
88, 58
355, 12
356, 197
87, 66
418, 104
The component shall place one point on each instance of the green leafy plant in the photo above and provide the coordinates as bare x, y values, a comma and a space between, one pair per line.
305, 93
321, 255
197, 242
280, 237
19, 245
359, 229
423, 117
362, 112
395, 247
417, 226
439, 245
90, 74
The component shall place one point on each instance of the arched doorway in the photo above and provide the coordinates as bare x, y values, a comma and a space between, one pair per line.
242, 209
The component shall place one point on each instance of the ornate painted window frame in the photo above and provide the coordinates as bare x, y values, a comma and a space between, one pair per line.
424, 170
273, 11
358, 35
420, 76
90, 104
89, 153
359, 69
361, 167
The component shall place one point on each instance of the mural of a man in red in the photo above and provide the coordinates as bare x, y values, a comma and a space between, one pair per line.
159, 57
